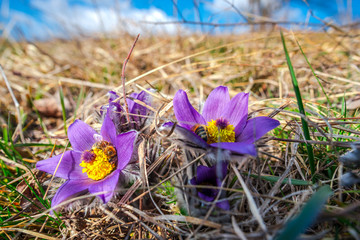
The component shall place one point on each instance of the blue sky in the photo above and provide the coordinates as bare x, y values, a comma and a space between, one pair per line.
44, 19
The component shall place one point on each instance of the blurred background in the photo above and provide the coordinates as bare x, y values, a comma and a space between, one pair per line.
46, 19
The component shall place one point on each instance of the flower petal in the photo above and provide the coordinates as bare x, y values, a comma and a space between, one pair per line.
225, 205
106, 186
208, 194
114, 101
108, 131
132, 108
145, 96
136, 108
215, 104
69, 167
69, 189
193, 181
185, 113
256, 128
213, 175
237, 147
124, 145
221, 171
236, 112
206, 174
130, 102
187, 137
81, 136
114, 109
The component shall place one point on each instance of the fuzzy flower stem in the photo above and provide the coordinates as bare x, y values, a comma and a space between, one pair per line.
123, 77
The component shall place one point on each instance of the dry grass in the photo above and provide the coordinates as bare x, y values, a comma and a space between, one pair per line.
255, 63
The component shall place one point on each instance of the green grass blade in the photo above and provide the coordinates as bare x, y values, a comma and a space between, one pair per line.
43, 202
5, 134
307, 216
313, 72
5, 148
63, 106
80, 98
14, 190
343, 107
301, 108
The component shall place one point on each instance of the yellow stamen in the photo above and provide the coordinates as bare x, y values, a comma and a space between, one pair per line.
217, 134
100, 167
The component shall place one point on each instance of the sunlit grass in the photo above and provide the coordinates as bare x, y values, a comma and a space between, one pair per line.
280, 179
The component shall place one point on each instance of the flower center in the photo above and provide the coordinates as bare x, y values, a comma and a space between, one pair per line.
100, 161
220, 130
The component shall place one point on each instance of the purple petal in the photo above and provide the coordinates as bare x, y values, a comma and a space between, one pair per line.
188, 137
223, 205
143, 97
208, 194
237, 147
124, 145
256, 128
214, 174
168, 125
193, 181
69, 167
114, 109
108, 131
112, 96
215, 104
236, 112
69, 189
210, 176
206, 174
130, 102
185, 113
114, 102
146, 97
107, 185
136, 108
81, 136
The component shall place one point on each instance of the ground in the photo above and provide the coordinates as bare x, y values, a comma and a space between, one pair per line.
59, 81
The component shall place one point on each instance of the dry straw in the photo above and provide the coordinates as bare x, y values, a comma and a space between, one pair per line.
265, 191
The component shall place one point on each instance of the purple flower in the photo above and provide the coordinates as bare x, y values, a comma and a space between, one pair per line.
211, 176
137, 113
95, 163
223, 122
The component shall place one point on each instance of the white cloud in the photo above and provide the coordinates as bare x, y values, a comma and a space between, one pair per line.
70, 18
135, 21
242, 5
277, 10
107, 16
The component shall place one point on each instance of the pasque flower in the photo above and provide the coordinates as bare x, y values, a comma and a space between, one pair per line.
95, 163
211, 176
223, 123
137, 113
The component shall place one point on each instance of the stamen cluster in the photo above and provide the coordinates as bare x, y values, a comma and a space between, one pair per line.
220, 131
97, 163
